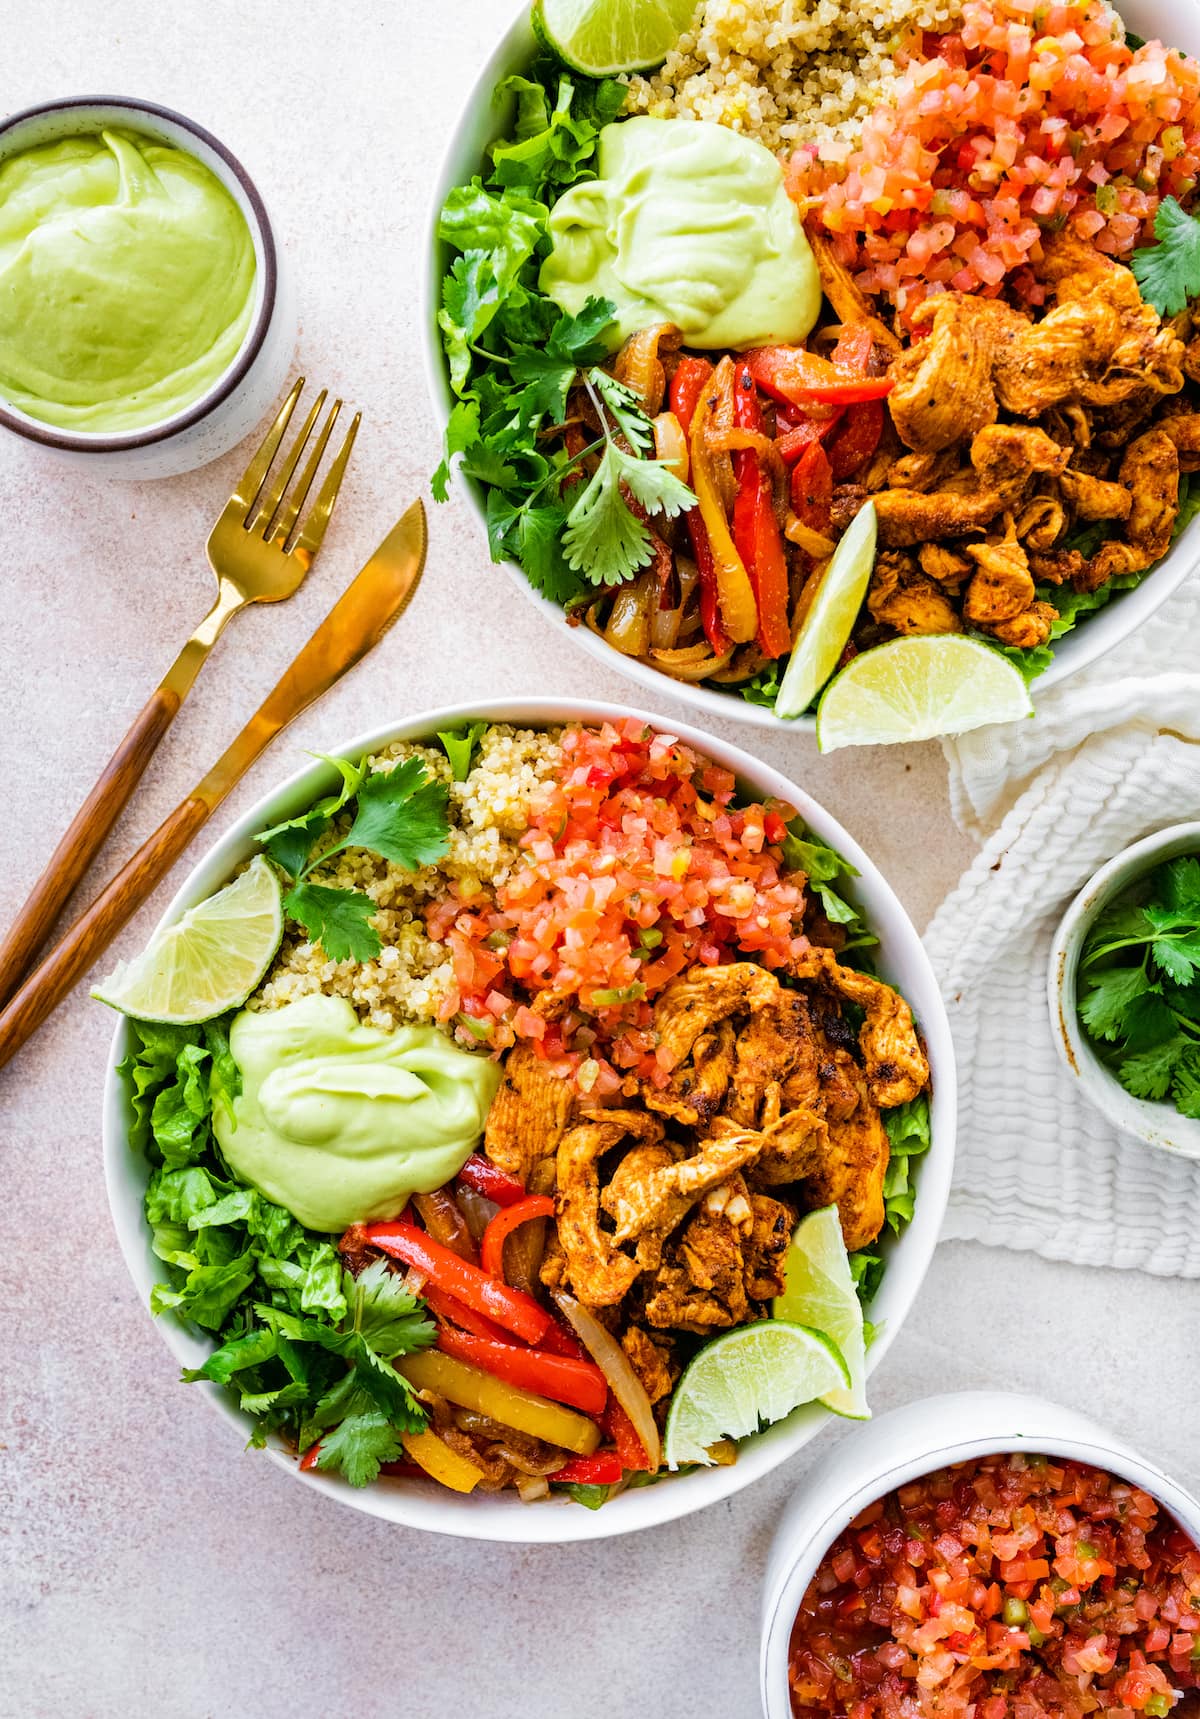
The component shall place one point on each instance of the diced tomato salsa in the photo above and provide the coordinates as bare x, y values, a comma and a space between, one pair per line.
1011, 1585
637, 864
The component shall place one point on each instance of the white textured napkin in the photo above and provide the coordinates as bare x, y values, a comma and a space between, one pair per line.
1113, 755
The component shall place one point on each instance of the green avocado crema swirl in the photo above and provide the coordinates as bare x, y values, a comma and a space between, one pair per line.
127, 281
340, 1123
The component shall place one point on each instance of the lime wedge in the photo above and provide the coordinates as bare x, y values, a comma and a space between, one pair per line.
820, 1292
604, 37
758, 1373
827, 626
918, 688
208, 961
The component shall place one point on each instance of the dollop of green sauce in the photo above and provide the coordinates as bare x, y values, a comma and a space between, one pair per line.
127, 281
688, 223
341, 1123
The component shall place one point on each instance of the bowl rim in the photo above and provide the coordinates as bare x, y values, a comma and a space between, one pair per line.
910, 1253
1054, 1430
1084, 645
105, 442
1155, 1124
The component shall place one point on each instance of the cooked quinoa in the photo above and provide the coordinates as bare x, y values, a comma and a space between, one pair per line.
411, 977
789, 72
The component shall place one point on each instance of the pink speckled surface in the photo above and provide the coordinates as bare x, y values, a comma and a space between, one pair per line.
147, 1565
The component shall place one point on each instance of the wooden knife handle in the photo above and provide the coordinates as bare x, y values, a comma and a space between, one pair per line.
80, 845
95, 929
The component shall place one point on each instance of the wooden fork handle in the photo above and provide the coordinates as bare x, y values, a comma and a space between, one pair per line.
80, 845
95, 929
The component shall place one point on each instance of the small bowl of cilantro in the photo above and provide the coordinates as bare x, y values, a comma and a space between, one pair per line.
1124, 987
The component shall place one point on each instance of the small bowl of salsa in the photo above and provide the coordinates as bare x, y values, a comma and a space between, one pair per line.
985, 1555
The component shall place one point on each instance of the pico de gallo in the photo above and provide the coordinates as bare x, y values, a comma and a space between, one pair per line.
1010, 1585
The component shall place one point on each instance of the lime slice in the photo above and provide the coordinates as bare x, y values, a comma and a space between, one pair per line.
758, 1373
918, 688
208, 961
828, 624
604, 37
820, 1292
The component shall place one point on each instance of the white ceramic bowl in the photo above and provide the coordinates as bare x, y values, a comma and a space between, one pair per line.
904, 1445
1156, 1124
902, 960
239, 398
483, 119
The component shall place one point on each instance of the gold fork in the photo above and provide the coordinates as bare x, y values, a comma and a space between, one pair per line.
260, 553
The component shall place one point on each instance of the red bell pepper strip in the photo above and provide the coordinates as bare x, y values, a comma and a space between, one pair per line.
309, 1459
812, 489
458, 1313
855, 439
517, 1312
688, 383
603, 1469
482, 1175
792, 375
579, 1383
559, 1341
853, 350
793, 442
620, 1429
756, 533
506, 1220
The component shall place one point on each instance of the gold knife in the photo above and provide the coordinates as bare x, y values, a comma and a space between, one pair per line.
355, 624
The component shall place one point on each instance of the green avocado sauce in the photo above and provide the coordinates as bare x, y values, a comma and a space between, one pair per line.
690, 223
341, 1123
127, 281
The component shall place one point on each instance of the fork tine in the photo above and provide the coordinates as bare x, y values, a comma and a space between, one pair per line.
252, 479
290, 511
309, 540
273, 493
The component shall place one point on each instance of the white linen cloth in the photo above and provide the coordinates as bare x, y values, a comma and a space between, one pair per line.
1113, 755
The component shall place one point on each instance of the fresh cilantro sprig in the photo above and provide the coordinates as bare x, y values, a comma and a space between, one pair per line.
1139, 990
398, 814
1168, 273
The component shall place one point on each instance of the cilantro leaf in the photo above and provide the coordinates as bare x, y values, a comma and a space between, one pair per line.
1185, 1083
459, 746
360, 1444
1168, 273
462, 431
626, 408
549, 370
1178, 883
290, 843
401, 816
1148, 1021
603, 538
337, 919
1147, 1073
1109, 994
387, 1317
541, 553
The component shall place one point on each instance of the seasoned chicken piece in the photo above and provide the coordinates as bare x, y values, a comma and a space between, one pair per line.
942, 386
770, 1046
948, 566
906, 517
698, 999
658, 1201
897, 1068
1040, 523
635, 1168
922, 471
765, 1252
848, 499
1057, 567
1191, 359
1007, 456
1150, 471
528, 1114
839, 288
702, 1287
652, 1361
901, 597
1117, 425
790, 1148
1027, 630
1003, 586
1184, 431
1093, 497
851, 1172
699, 1085
599, 1273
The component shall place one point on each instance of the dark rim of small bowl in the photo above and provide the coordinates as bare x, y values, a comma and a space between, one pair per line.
251, 346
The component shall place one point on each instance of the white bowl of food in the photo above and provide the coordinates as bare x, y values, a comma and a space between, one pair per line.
614, 834
895, 1471
1108, 974
151, 315
928, 584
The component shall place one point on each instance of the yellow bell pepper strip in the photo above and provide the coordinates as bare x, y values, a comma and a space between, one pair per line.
472, 1388
739, 614
440, 1462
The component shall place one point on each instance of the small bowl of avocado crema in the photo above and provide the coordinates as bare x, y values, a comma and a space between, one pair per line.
145, 324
